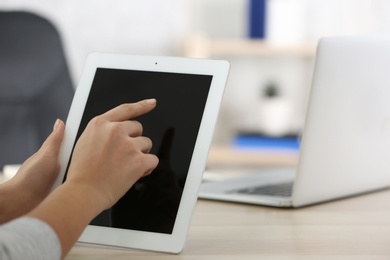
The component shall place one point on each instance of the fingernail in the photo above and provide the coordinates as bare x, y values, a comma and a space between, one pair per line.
151, 101
56, 124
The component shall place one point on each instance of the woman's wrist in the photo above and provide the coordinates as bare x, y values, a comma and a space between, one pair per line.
87, 195
13, 202
7, 207
68, 210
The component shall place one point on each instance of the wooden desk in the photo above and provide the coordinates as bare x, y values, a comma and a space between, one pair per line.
352, 228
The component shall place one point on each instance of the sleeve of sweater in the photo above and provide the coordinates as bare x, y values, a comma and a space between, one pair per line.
28, 238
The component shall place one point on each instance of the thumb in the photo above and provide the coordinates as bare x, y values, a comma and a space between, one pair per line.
53, 142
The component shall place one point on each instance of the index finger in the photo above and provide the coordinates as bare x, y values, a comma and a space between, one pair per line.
130, 110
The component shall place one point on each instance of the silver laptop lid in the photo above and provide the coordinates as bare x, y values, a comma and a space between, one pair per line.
345, 148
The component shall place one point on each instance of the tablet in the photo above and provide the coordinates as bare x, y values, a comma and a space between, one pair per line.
155, 214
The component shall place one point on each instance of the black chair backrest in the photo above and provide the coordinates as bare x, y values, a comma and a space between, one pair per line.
35, 84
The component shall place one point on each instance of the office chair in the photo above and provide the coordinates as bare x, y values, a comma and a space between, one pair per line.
35, 84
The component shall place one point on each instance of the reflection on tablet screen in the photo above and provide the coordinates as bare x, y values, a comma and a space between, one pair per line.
152, 203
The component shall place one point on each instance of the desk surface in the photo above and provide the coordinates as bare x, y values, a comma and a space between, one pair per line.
352, 228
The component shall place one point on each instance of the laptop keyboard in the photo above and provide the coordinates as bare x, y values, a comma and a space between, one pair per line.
280, 189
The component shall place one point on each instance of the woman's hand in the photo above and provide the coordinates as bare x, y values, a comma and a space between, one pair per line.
109, 157
34, 179
111, 154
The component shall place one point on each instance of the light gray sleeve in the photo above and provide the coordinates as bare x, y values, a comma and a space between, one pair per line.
28, 238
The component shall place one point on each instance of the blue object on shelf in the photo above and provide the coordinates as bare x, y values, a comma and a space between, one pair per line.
263, 142
257, 18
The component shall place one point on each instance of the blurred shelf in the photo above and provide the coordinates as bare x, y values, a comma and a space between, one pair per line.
202, 47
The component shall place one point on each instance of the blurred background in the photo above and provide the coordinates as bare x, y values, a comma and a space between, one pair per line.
269, 43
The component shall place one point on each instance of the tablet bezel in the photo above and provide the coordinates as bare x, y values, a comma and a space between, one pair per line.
218, 69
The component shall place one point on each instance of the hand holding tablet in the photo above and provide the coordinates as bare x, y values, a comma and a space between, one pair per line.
120, 158
155, 214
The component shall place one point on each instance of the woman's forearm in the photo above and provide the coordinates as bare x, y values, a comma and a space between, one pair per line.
68, 210
12, 202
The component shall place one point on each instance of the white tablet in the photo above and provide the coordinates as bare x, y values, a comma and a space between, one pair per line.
155, 214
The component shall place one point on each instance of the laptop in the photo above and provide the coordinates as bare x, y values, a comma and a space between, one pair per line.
345, 146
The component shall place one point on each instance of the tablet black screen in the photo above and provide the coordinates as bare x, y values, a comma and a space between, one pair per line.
152, 203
